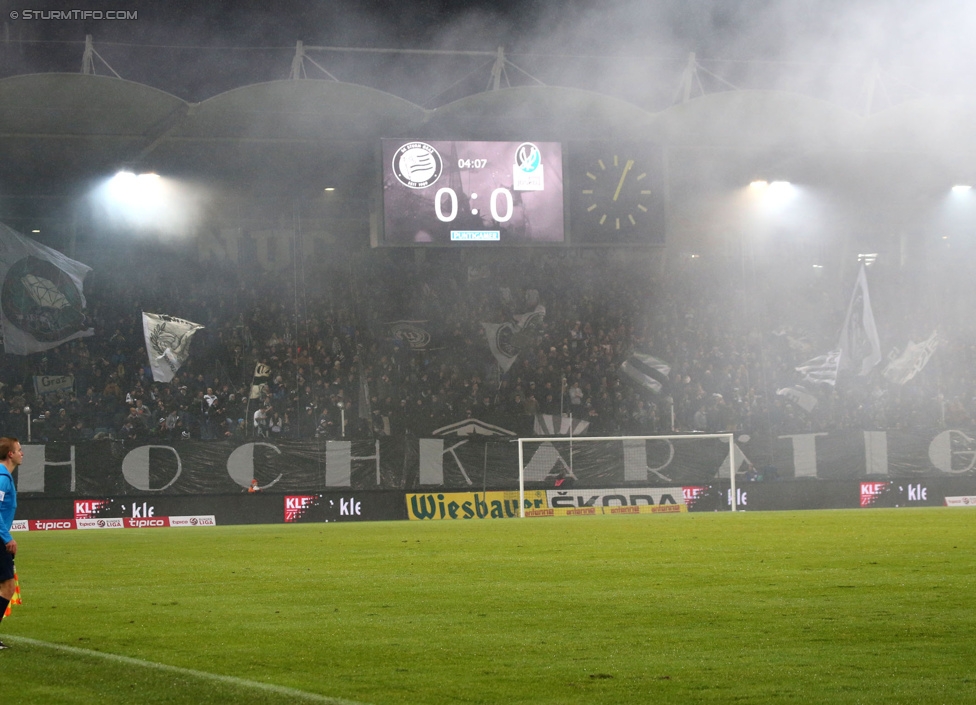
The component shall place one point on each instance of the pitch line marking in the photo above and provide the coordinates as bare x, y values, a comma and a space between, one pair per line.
230, 680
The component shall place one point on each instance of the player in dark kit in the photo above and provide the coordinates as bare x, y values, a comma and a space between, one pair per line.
11, 455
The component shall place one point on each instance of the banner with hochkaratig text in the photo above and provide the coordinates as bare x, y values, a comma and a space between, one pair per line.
473, 464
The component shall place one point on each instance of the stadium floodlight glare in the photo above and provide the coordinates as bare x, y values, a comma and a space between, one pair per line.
134, 190
145, 203
961, 188
771, 198
779, 192
571, 440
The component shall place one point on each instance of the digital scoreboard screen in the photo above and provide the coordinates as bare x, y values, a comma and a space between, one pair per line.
489, 193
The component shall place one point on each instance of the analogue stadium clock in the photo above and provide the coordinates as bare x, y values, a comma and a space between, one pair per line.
617, 195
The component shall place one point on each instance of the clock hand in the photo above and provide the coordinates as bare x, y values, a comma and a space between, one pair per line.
627, 166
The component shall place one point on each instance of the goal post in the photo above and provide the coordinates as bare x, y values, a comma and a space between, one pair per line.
729, 437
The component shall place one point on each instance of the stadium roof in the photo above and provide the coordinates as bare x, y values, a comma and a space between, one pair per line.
59, 132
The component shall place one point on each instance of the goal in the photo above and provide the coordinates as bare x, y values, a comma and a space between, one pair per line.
563, 461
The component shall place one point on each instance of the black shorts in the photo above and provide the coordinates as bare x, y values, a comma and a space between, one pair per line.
6, 564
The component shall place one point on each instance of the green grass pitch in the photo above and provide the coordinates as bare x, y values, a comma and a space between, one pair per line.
869, 606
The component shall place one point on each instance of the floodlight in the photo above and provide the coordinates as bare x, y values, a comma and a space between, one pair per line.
144, 201
961, 188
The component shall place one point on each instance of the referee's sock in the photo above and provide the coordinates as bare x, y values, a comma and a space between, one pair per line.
3, 607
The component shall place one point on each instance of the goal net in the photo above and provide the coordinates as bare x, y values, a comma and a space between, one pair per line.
620, 474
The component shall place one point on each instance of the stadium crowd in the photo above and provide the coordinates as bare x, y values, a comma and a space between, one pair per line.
335, 367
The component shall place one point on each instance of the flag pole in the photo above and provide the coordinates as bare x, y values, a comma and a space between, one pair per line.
571, 473
248, 421
562, 396
247, 413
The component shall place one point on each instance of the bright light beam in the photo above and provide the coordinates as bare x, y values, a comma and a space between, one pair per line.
145, 203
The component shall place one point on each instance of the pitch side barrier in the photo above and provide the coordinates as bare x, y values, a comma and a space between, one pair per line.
568, 471
166, 511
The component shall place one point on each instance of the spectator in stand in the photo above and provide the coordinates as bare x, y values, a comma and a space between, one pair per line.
61, 426
275, 425
128, 432
138, 422
261, 421
172, 424
575, 397
80, 432
719, 333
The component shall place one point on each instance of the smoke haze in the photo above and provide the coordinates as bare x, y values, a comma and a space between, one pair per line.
632, 48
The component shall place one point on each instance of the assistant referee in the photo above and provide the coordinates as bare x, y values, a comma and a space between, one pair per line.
11, 455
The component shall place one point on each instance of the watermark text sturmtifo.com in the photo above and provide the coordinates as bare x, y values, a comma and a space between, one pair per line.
74, 14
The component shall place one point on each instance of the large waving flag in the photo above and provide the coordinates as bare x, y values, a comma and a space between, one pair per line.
860, 348
912, 360
501, 343
42, 304
506, 340
821, 369
648, 373
799, 395
168, 343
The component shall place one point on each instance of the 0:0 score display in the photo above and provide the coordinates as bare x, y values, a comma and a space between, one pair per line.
497, 216
439, 192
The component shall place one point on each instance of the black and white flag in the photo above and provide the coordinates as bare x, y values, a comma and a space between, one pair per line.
914, 358
501, 342
530, 319
258, 387
799, 396
43, 303
821, 369
506, 340
415, 335
649, 373
860, 348
167, 343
